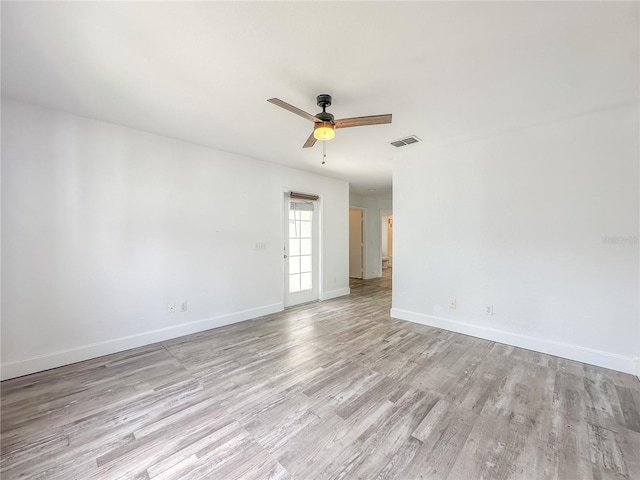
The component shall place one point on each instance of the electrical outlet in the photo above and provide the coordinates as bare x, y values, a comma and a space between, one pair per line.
171, 308
488, 310
452, 303
183, 307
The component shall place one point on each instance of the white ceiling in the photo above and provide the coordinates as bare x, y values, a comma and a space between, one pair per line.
202, 71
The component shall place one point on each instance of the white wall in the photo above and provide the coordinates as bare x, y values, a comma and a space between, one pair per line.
541, 223
373, 247
102, 226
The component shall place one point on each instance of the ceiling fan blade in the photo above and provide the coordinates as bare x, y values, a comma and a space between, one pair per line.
292, 109
311, 141
363, 121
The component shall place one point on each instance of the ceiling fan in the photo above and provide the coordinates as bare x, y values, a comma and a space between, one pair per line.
325, 125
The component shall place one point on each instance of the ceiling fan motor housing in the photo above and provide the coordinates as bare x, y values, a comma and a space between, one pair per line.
325, 117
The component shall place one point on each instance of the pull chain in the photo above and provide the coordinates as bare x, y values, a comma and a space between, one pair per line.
324, 151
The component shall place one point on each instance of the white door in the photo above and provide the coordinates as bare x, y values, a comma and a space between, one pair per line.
300, 251
356, 243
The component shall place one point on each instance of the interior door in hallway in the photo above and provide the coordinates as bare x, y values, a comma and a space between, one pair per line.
356, 242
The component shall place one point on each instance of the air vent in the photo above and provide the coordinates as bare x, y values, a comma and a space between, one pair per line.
405, 141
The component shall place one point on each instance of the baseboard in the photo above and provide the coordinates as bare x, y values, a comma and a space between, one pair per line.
86, 352
340, 292
558, 349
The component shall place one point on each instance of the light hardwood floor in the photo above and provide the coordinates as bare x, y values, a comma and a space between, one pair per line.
331, 390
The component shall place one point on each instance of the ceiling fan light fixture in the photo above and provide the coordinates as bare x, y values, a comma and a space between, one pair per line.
324, 131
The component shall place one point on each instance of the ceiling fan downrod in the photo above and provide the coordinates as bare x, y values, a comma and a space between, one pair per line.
324, 100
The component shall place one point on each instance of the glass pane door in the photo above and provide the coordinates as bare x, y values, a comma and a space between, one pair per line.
300, 252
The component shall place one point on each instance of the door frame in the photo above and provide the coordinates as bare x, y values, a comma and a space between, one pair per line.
284, 236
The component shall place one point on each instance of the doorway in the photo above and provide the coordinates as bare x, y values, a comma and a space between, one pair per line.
356, 243
386, 240
300, 249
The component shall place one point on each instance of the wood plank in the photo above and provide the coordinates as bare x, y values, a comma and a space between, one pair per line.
606, 454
